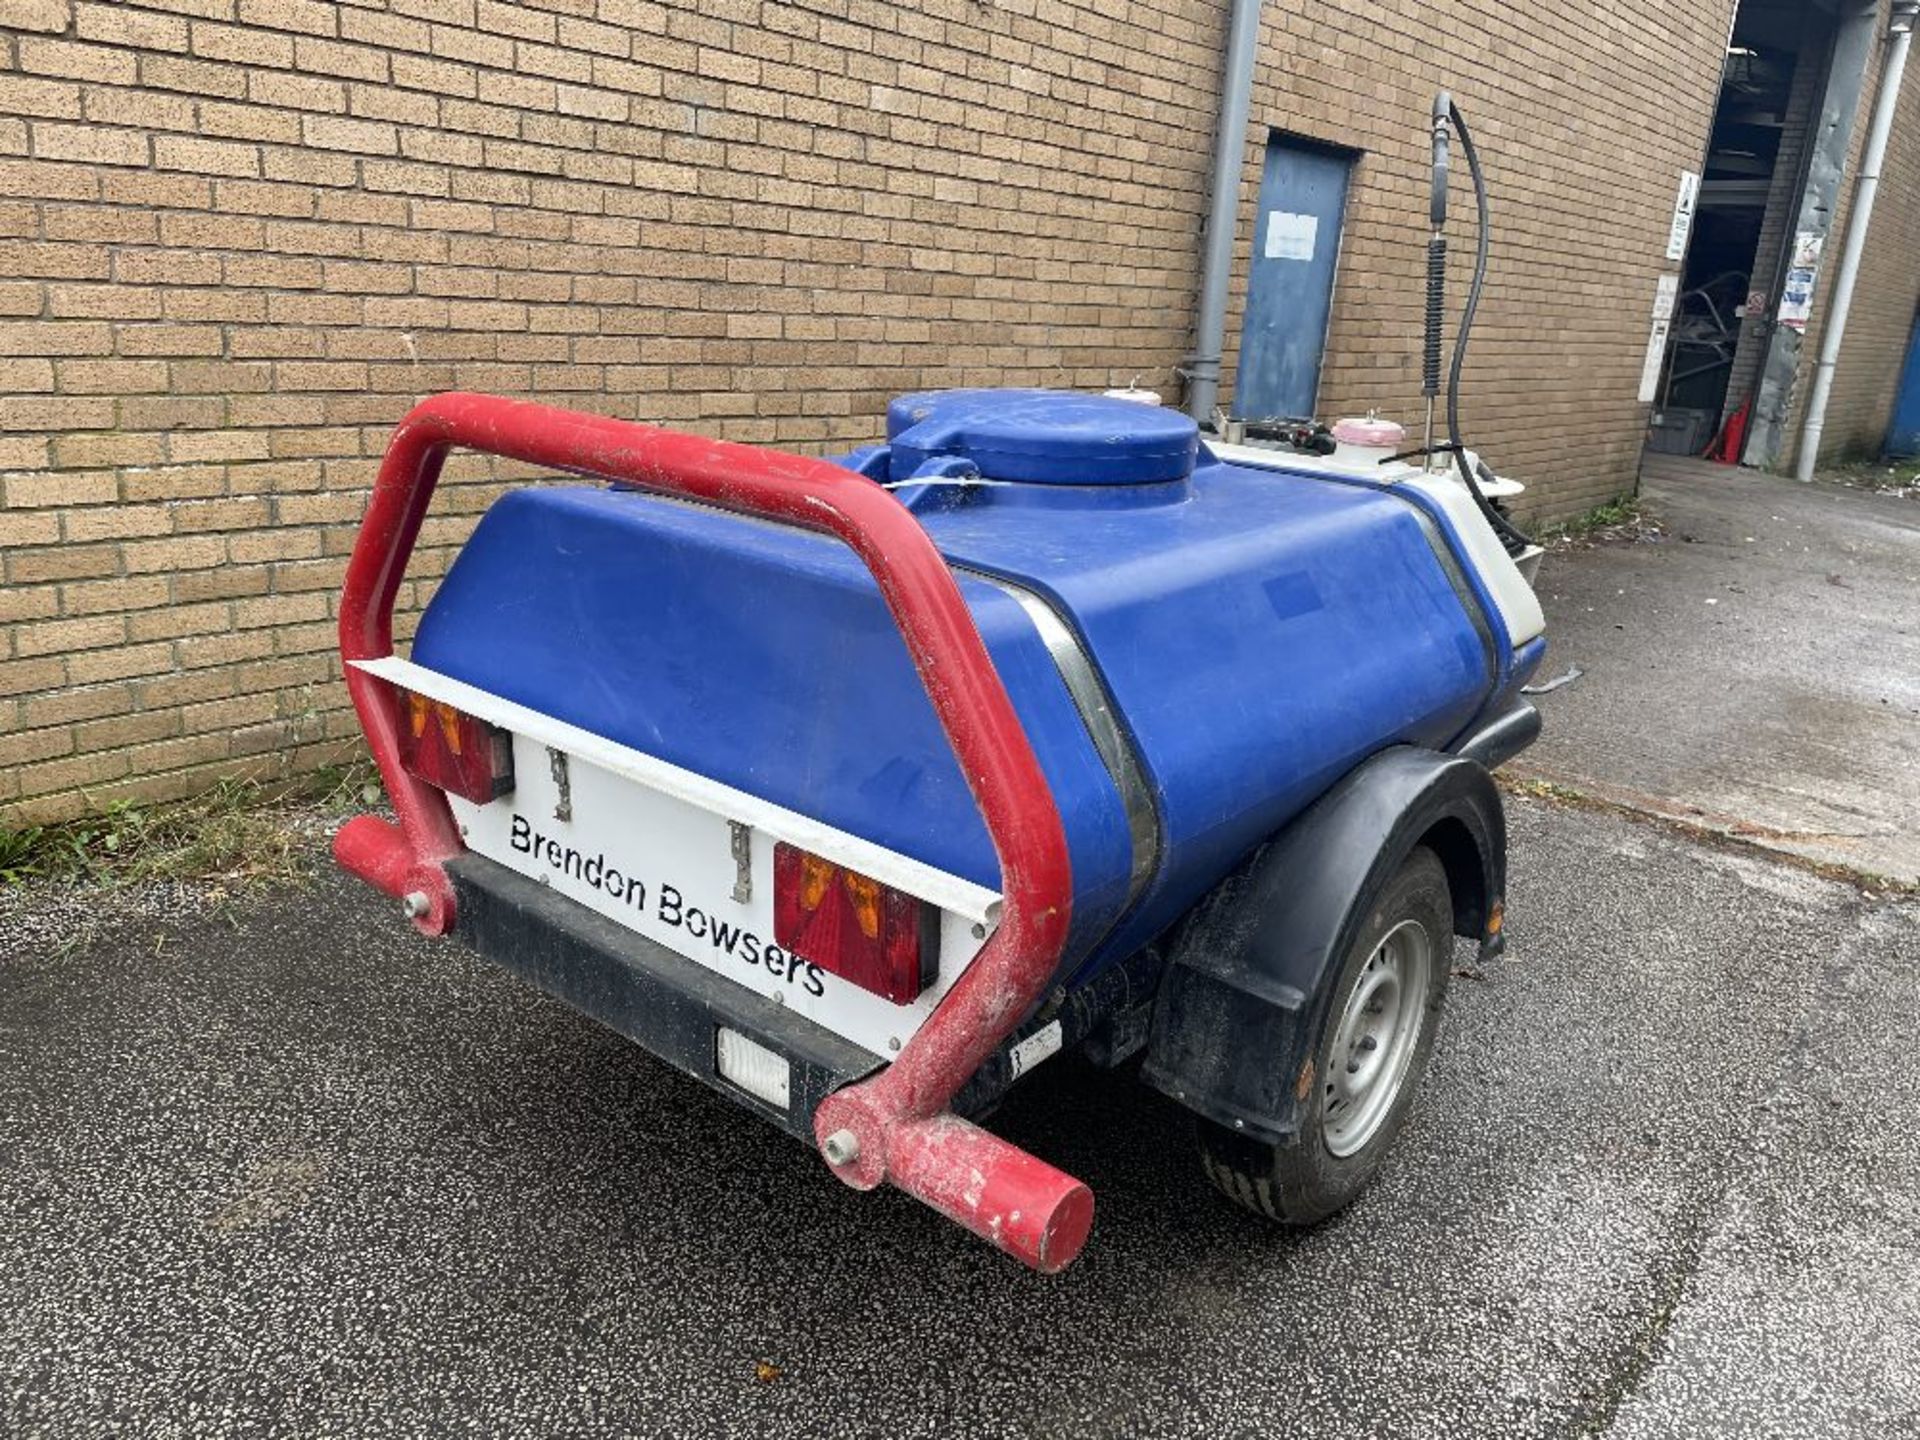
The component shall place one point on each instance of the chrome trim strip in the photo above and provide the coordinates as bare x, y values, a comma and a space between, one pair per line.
1098, 714
1463, 590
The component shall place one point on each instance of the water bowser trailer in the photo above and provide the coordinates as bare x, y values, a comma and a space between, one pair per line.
860, 788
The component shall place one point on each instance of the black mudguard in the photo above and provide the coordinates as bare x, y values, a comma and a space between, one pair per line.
1248, 982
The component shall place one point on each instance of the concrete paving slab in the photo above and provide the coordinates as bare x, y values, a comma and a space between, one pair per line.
286, 1168
1756, 669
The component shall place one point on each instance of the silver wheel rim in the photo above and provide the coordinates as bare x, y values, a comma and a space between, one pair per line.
1373, 1043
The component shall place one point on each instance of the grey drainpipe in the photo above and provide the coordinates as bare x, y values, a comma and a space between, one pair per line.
1871, 162
1223, 212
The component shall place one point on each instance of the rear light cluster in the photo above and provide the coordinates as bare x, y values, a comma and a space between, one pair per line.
850, 925
457, 752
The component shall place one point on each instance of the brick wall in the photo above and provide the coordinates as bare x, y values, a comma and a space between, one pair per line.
239, 237
1885, 299
1870, 355
1585, 115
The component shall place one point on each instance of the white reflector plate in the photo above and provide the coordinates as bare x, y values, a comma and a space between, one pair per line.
751, 1066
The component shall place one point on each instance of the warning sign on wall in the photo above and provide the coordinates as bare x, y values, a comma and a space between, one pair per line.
1665, 292
1681, 231
1796, 296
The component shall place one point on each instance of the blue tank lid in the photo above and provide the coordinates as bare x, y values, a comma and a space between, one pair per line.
1047, 437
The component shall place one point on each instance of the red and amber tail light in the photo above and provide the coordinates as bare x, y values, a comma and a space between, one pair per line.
851, 925
454, 751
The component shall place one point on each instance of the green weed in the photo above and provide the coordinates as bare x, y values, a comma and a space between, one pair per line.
1618, 514
238, 832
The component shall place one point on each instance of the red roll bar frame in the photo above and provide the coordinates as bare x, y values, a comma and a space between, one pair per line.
895, 1126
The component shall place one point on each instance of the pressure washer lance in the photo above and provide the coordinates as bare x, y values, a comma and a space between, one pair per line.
1448, 119
1436, 270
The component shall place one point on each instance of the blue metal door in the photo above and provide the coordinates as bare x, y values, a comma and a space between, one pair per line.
1296, 247
1903, 436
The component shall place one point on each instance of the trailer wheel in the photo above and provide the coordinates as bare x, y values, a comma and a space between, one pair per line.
1367, 1062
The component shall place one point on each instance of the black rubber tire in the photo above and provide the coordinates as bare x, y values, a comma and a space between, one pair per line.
1302, 1181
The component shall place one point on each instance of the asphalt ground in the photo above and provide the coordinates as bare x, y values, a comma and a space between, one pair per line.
276, 1166
1752, 665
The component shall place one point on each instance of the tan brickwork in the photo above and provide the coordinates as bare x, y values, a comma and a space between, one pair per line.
1886, 296
239, 237
1585, 115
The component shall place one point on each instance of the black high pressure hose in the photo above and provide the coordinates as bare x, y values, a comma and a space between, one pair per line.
1446, 113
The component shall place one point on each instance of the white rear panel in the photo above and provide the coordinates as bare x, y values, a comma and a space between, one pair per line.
650, 845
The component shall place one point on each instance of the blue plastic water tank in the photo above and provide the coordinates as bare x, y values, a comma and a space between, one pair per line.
1260, 633
1042, 437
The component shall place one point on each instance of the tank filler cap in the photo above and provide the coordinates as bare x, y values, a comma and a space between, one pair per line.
1371, 433
1043, 437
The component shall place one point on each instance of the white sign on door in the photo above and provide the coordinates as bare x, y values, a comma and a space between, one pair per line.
1290, 236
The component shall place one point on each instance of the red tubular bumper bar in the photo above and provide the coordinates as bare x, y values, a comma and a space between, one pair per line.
894, 1127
